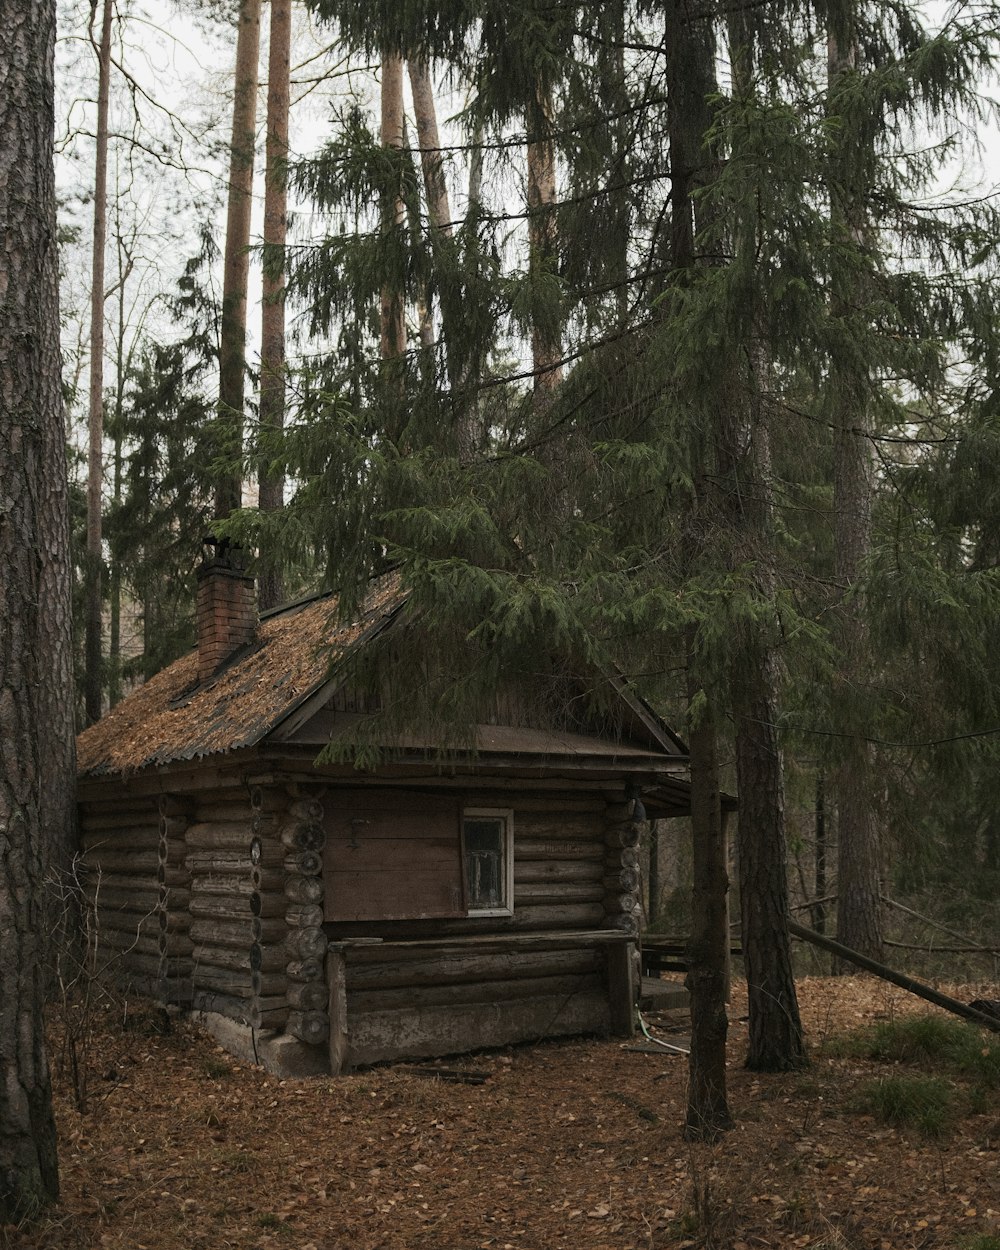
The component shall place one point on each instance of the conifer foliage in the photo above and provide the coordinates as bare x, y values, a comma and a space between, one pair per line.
729, 265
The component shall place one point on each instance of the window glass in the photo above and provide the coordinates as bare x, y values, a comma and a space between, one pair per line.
486, 862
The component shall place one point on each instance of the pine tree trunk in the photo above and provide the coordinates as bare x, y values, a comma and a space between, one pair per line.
271, 589
690, 56
392, 323
708, 1109
776, 1042
859, 924
546, 336
93, 675
236, 262
442, 227
35, 526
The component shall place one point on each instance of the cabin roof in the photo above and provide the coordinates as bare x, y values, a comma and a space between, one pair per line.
278, 690
173, 717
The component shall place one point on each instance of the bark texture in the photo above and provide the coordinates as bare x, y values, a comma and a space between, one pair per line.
690, 76
93, 668
708, 1109
236, 264
271, 589
546, 335
32, 454
391, 311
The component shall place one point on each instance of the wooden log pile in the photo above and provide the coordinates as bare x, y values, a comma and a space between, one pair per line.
306, 996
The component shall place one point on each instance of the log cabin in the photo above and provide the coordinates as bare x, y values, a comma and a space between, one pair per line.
316, 917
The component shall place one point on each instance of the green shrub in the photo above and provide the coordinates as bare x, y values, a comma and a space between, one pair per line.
931, 1041
923, 1103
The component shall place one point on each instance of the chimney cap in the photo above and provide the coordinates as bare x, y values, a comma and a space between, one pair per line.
222, 554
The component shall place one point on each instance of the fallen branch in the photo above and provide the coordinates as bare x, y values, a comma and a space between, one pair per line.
897, 978
962, 937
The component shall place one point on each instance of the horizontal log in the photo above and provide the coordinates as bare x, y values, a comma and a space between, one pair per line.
303, 915
178, 945
268, 880
555, 916
225, 885
117, 803
572, 827
229, 957
133, 818
625, 879
230, 1005
174, 921
308, 995
312, 1027
308, 810
171, 851
132, 863
220, 836
267, 958
175, 805
306, 944
109, 899
217, 906
619, 812
173, 876
462, 969
155, 966
493, 992
215, 931
232, 811
624, 902
304, 889
268, 904
174, 827
269, 983
558, 892
620, 836
303, 863
268, 930
103, 884
118, 941
623, 922
538, 849
534, 870
219, 863
305, 969
296, 835
141, 839
266, 853
207, 976
268, 1014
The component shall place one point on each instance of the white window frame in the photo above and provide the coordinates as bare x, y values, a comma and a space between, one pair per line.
506, 814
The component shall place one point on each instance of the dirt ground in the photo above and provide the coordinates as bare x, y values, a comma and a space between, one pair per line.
572, 1144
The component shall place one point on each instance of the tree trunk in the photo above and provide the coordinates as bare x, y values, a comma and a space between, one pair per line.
93, 675
546, 334
689, 73
32, 486
708, 1110
271, 590
859, 923
236, 262
776, 1043
391, 313
819, 875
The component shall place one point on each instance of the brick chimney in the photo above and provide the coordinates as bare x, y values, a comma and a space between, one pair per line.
227, 606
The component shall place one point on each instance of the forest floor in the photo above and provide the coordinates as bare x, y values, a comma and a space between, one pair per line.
574, 1144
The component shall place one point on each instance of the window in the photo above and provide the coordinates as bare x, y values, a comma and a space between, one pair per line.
487, 849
